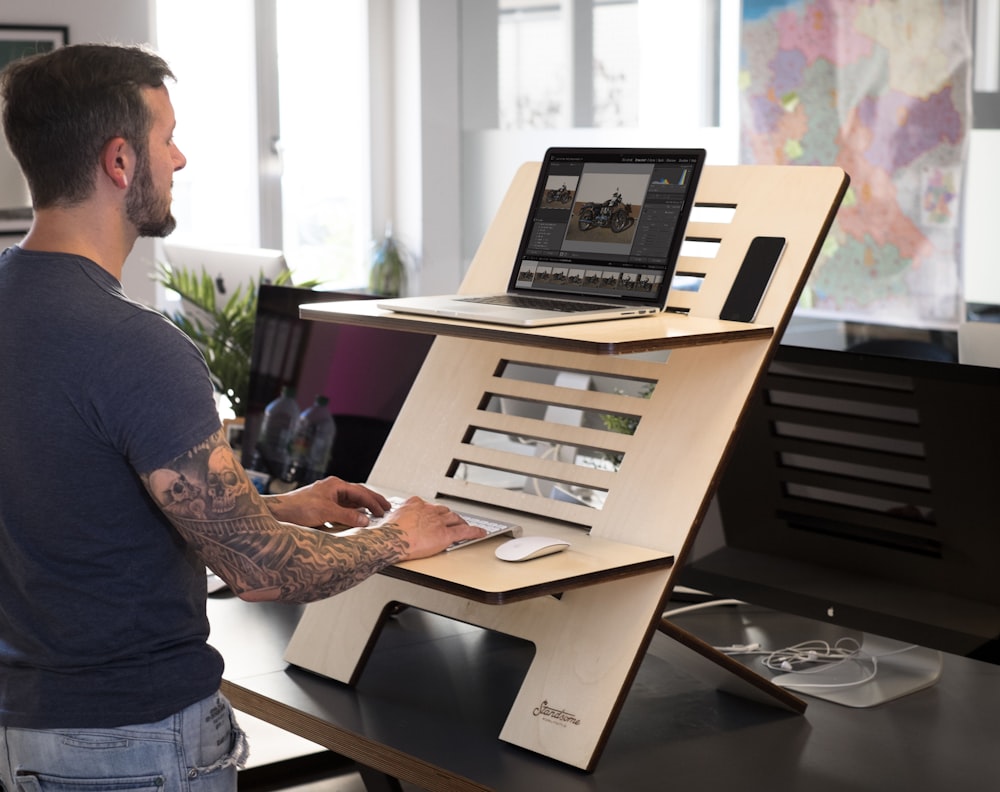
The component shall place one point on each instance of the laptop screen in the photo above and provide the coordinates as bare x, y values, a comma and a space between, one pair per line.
607, 223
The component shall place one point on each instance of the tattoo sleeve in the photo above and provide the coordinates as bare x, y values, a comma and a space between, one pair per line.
207, 496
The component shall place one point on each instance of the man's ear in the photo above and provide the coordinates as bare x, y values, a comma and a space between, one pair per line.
118, 161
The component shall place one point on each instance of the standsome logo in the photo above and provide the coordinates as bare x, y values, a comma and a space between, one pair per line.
558, 716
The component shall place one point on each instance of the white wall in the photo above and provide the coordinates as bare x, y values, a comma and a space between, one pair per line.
981, 259
103, 21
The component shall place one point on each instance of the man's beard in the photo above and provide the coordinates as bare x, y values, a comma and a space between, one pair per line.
148, 211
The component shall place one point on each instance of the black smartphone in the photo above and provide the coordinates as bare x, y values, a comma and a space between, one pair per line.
752, 279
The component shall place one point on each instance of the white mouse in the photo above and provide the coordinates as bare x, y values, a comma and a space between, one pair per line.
526, 547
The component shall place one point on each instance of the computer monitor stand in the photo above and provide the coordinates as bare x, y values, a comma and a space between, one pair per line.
882, 670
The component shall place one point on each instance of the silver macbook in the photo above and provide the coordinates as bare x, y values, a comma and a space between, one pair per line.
600, 242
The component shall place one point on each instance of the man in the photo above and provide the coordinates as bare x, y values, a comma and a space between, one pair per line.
116, 483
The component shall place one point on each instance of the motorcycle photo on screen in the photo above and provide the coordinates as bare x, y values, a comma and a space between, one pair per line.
561, 194
613, 213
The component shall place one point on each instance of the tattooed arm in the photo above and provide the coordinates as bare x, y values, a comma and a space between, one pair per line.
327, 500
207, 496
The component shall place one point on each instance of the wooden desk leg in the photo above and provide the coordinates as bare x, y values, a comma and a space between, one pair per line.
335, 636
588, 647
728, 674
588, 644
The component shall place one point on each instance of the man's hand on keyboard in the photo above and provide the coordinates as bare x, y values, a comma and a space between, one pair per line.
428, 528
329, 500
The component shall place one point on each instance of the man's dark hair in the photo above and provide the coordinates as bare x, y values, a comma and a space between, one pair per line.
61, 107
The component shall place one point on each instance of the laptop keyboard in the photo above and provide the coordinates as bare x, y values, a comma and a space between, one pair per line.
538, 303
492, 527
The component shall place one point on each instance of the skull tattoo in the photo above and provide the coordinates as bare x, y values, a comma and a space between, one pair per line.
225, 484
176, 494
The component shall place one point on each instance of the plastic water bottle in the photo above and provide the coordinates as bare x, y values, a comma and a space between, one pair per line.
271, 453
312, 442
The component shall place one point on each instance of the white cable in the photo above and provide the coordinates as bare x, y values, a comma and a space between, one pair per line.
808, 657
812, 656
700, 606
830, 685
742, 649
816, 657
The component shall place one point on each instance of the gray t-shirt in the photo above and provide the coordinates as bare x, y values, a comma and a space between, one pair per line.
102, 605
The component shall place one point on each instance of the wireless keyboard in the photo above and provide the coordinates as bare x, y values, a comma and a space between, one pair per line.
491, 526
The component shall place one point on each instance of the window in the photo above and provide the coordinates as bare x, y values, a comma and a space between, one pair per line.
537, 43
274, 102
215, 196
323, 100
274, 123
537, 73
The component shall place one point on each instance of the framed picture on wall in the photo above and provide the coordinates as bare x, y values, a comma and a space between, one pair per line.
16, 41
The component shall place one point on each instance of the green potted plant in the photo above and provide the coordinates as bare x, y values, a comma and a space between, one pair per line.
224, 333
387, 275
623, 424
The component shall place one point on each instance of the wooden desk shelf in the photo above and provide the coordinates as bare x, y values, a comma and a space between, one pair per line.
615, 337
695, 377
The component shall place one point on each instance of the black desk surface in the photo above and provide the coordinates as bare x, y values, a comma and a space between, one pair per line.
435, 693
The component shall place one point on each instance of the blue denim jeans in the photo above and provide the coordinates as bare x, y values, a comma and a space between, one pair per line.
199, 749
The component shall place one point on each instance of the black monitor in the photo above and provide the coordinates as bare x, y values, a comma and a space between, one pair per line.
366, 373
862, 490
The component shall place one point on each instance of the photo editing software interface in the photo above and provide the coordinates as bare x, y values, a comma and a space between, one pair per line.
607, 228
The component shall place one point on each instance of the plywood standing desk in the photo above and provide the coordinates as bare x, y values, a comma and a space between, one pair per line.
590, 611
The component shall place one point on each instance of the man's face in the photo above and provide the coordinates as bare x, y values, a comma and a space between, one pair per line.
147, 203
